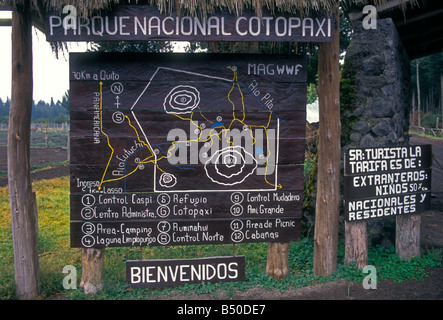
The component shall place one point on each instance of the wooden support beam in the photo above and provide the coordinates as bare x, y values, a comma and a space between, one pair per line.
356, 246
92, 270
23, 220
407, 237
277, 265
328, 182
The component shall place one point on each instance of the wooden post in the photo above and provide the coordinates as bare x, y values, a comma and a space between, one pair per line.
46, 134
23, 220
92, 270
441, 100
277, 265
328, 182
407, 236
68, 146
417, 71
356, 249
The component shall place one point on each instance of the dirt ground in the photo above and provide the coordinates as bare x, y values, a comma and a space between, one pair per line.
39, 157
430, 288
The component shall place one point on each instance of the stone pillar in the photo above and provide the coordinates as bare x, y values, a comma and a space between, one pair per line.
377, 69
381, 71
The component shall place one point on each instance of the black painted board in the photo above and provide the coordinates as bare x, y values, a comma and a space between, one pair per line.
161, 273
177, 139
211, 98
141, 23
146, 124
189, 178
387, 159
387, 183
128, 151
185, 206
166, 233
387, 206
178, 67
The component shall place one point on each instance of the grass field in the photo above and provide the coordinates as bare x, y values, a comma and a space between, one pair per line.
55, 253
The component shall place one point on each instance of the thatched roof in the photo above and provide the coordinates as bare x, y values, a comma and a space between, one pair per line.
208, 6
195, 7
190, 6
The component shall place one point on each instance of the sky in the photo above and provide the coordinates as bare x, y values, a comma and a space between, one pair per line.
51, 75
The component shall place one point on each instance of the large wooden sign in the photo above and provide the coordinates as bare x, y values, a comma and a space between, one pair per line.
381, 182
171, 149
140, 23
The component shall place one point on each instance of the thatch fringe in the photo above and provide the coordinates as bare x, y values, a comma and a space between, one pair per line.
205, 7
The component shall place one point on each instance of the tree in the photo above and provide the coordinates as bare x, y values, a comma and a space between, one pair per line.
429, 77
52, 111
4, 107
65, 101
328, 201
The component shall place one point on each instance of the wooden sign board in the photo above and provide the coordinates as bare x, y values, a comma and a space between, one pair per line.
163, 232
387, 159
381, 182
141, 23
387, 183
212, 145
176, 272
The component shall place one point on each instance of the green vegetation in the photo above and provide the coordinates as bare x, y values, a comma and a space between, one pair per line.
425, 135
39, 167
55, 253
430, 84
